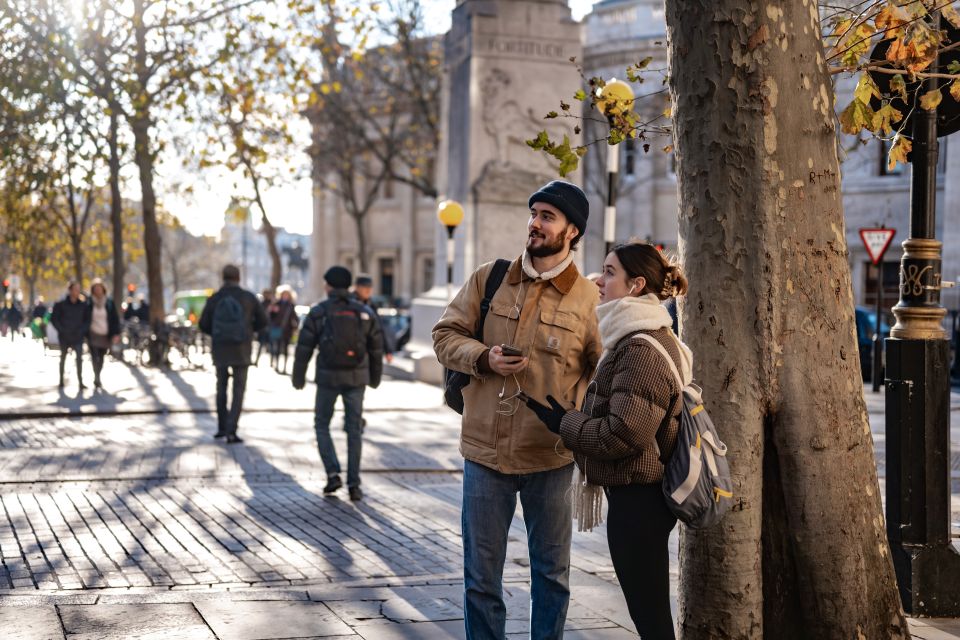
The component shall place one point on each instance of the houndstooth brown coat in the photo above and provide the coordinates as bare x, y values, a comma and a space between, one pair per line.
630, 415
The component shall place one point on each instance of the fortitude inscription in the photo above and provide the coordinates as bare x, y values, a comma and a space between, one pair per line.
507, 46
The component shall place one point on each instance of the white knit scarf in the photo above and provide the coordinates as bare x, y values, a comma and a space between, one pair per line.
618, 319
546, 275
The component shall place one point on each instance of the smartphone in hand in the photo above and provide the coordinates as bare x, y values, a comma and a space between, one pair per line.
510, 351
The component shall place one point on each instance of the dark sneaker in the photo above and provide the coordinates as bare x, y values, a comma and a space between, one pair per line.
234, 439
333, 483
356, 494
219, 434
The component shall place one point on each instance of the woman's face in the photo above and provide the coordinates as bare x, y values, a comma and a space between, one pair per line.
98, 291
614, 283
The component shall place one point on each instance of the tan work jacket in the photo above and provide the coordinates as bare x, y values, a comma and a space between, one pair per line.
556, 327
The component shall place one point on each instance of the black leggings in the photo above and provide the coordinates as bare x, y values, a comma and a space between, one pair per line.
638, 527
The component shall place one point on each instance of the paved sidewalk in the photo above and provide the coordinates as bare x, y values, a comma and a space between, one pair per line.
117, 521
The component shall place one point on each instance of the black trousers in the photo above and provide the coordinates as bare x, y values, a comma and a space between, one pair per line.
638, 527
227, 419
78, 351
97, 355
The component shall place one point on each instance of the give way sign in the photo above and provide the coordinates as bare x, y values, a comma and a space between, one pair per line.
876, 241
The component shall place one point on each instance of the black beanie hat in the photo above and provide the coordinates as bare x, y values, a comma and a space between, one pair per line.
338, 277
568, 198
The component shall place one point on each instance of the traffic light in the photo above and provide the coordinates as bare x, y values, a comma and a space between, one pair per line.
6, 286
131, 288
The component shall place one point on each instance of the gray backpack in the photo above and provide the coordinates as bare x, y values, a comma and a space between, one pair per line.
696, 479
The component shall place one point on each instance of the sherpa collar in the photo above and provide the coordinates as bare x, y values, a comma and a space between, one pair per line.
562, 277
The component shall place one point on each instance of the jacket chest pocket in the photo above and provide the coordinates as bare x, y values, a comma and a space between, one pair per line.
500, 326
559, 334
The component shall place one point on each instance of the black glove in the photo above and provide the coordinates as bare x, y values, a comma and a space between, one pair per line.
299, 383
549, 416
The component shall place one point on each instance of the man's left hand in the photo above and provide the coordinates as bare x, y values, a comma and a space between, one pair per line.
551, 416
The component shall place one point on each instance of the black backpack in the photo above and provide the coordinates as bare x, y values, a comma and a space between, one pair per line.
343, 341
230, 324
455, 381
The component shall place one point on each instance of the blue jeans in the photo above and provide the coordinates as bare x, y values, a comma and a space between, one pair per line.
353, 408
489, 502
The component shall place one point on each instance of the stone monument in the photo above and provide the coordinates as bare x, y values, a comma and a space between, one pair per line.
507, 64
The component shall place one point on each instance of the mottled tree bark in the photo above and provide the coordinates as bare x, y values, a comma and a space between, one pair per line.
770, 318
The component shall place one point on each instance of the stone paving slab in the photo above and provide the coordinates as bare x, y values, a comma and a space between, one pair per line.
31, 623
142, 622
271, 620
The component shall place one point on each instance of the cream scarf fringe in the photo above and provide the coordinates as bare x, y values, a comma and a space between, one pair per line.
546, 275
618, 319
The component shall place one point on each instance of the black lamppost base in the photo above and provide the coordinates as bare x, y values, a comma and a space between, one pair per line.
918, 476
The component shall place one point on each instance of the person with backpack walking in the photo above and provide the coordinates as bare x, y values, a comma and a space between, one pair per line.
71, 318
231, 317
349, 346
540, 337
627, 427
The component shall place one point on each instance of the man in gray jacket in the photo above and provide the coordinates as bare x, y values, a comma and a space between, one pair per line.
349, 344
232, 316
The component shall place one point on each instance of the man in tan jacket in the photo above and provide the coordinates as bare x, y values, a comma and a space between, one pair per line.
547, 311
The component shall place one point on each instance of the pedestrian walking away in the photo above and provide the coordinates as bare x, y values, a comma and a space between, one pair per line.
349, 346
627, 427
71, 318
231, 317
282, 316
104, 330
263, 336
540, 338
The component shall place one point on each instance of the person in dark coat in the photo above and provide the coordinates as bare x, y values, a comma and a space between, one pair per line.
348, 360
104, 327
71, 318
263, 336
14, 318
231, 317
283, 319
39, 309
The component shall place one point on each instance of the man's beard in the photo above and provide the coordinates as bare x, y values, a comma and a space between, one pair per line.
547, 248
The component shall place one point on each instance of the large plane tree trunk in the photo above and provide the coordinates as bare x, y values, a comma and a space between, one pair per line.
770, 318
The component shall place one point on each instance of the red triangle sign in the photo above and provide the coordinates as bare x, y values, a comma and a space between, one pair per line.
876, 241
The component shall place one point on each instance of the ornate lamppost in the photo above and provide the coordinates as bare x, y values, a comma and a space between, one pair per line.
918, 382
450, 214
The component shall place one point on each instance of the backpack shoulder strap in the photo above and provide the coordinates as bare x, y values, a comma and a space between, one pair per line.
663, 351
494, 279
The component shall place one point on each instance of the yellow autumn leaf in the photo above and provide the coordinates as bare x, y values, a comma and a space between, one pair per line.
930, 100
668, 112
884, 118
898, 151
855, 117
955, 90
866, 89
898, 86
